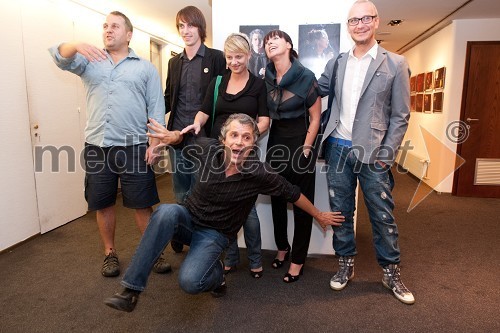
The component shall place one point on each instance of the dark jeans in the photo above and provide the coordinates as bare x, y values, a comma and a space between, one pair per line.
183, 174
253, 241
201, 269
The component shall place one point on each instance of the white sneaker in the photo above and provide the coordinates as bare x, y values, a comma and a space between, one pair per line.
344, 274
392, 281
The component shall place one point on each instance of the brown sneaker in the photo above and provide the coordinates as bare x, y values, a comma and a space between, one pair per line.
111, 266
161, 266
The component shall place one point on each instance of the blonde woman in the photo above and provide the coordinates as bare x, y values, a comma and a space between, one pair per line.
239, 92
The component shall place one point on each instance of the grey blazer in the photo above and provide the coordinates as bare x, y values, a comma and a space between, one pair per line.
383, 109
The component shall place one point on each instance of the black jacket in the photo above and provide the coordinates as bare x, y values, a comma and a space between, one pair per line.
213, 64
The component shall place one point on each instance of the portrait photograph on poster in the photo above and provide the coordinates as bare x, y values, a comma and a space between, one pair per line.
419, 102
439, 78
428, 85
420, 82
427, 103
437, 102
258, 59
318, 43
412, 84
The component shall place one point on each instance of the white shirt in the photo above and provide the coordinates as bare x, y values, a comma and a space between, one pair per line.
354, 78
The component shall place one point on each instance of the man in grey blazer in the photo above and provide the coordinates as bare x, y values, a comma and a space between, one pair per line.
369, 117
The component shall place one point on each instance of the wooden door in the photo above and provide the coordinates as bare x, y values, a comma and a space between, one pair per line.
480, 175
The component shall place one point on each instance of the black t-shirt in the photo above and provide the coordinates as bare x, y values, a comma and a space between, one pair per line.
251, 101
223, 203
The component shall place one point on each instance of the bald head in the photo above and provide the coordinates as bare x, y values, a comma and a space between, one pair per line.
362, 23
367, 4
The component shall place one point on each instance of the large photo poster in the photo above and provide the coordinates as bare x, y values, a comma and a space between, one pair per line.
318, 43
258, 60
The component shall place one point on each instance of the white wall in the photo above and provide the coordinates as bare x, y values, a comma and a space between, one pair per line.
17, 190
288, 17
18, 196
446, 48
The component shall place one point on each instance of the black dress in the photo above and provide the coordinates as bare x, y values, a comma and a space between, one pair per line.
288, 103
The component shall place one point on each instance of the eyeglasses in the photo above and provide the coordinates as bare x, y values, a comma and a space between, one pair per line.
365, 19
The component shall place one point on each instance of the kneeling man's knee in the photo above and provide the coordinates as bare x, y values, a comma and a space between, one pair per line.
166, 214
190, 283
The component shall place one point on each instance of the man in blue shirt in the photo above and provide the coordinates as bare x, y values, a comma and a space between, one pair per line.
122, 91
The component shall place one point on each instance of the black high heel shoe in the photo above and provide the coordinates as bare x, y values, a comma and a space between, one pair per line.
231, 269
257, 275
279, 263
289, 278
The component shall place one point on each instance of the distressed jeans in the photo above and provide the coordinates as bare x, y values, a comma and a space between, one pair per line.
253, 241
201, 269
376, 182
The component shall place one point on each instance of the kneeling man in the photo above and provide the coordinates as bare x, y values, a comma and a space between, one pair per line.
230, 178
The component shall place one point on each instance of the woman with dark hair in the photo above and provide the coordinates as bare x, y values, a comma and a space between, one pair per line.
294, 104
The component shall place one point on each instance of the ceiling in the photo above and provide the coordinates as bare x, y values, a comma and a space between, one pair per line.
421, 18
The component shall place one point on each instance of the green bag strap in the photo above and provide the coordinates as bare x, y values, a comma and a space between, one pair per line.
216, 93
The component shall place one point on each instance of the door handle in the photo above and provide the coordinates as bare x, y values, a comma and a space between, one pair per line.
469, 120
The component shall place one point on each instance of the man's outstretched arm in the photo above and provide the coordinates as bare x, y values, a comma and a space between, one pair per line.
159, 132
323, 218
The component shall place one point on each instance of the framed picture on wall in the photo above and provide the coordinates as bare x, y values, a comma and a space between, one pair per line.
428, 102
437, 102
429, 83
412, 84
413, 105
420, 82
258, 60
317, 44
439, 75
419, 102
